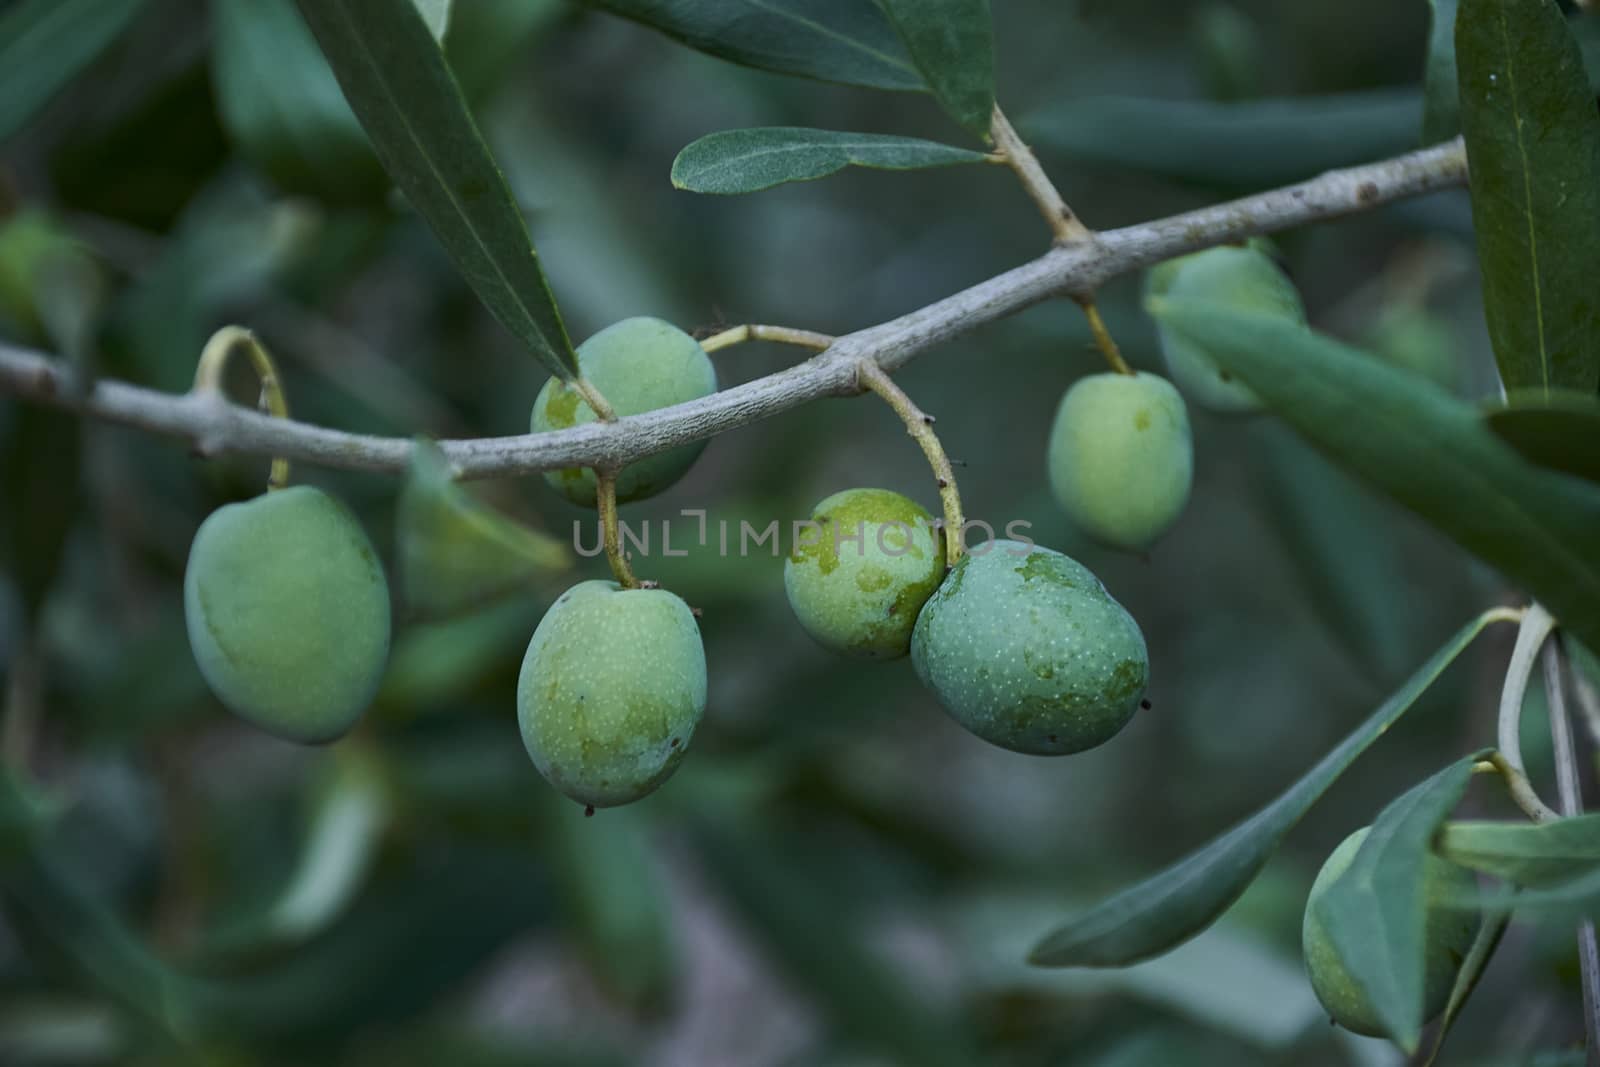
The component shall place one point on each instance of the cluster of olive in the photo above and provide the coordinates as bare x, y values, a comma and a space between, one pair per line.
288, 609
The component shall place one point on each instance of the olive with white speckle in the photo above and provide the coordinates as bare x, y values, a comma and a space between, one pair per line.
611, 690
1025, 648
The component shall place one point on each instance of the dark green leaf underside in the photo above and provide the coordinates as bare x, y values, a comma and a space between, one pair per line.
1559, 430
846, 41
1533, 145
397, 82
1421, 446
952, 44
1170, 907
745, 161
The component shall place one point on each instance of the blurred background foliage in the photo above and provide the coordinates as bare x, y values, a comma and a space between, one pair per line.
838, 874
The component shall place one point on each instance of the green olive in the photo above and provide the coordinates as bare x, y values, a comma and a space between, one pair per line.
1121, 458
638, 365
859, 578
1025, 648
611, 690
288, 612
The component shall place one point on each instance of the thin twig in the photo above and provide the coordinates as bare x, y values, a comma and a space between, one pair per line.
1102, 336
1064, 224
1569, 795
782, 334
1531, 635
606, 502
215, 428
920, 426
213, 366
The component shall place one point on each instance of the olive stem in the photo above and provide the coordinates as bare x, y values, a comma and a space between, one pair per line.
1102, 336
782, 334
920, 426
1534, 629
605, 483
595, 399
208, 378
1569, 795
1064, 224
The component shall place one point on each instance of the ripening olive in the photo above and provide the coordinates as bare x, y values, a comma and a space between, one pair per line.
611, 690
288, 612
1026, 649
638, 365
858, 578
1243, 279
1121, 457
1449, 933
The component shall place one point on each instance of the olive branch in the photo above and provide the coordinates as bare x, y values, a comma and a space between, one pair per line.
214, 427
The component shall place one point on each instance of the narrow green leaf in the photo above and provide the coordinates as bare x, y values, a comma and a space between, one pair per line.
1530, 854
1376, 912
1426, 449
745, 161
44, 44
1559, 429
455, 552
952, 44
1251, 144
1533, 145
397, 82
1441, 104
1170, 907
281, 106
846, 41
1490, 931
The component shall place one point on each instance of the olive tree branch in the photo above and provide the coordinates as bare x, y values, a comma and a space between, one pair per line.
215, 427
1064, 223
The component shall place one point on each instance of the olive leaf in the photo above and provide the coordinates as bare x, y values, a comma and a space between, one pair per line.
1172, 906
44, 44
279, 102
397, 82
1421, 446
1558, 429
1375, 913
456, 552
1533, 146
1441, 104
1529, 854
745, 161
1250, 144
846, 41
952, 44
1487, 940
